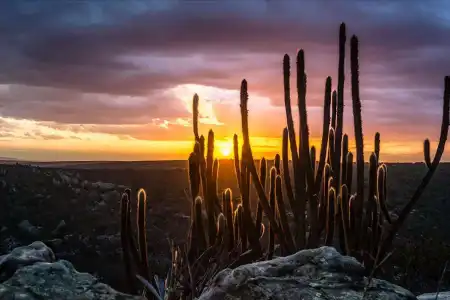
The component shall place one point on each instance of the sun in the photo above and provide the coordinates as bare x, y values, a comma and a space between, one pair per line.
225, 149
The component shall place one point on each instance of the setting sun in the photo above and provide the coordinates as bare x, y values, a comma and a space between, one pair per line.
225, 148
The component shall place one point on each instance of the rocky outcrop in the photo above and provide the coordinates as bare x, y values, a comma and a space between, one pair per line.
320, 273
31, 273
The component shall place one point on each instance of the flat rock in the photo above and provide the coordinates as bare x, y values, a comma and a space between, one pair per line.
24, 256
31, 273
57, 280
432, 296
320, 273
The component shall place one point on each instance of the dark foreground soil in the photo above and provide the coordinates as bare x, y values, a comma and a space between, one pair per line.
90, 240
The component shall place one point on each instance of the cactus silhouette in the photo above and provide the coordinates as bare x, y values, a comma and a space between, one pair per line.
323, 206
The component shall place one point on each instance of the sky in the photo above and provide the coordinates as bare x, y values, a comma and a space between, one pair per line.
114, 80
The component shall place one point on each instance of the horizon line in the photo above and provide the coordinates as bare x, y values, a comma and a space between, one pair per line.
21, 161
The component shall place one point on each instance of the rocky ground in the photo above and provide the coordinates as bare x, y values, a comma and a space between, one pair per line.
75, 210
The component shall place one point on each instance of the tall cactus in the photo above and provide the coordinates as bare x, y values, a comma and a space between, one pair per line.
339, 108
387, 242
319, 193
298, 204
358, 137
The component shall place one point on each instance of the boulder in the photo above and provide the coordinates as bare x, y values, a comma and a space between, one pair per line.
23, 256
432, 296
31, 273
320, 273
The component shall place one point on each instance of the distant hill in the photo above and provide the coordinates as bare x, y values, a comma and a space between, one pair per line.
104, 164
7, 159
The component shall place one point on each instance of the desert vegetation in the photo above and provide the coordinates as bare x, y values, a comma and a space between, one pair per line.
308, 198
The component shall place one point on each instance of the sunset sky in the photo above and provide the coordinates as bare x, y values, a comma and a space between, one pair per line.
114, 80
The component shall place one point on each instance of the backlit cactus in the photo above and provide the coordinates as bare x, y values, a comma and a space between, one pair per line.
323, 205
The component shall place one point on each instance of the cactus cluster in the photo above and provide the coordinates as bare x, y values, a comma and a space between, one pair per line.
307, 202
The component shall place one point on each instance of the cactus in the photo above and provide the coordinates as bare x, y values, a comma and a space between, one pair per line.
377, 145
272, 195
228, 210
195, 116
386, 244
125, 237
252, 168
344, 228
142, 232
325, 129
259, 209
281, 210
198, 227
330, 214
356, 101
320, 194
221, 228
339, 108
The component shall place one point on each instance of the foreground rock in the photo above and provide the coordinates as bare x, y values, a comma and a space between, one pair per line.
31, 273
432, 296
320, 273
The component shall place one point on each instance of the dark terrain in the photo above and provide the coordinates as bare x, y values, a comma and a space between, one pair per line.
86, 197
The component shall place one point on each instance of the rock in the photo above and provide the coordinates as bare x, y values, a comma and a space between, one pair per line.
320, 273
38, 276
432, 296
57, 280
29, 228
59, 228
23, 256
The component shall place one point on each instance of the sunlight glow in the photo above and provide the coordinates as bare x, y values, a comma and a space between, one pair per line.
224, 148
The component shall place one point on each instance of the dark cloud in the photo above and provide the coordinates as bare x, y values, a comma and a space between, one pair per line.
61, 57
64, 106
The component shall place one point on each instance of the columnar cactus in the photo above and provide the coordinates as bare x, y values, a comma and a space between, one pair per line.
326, 206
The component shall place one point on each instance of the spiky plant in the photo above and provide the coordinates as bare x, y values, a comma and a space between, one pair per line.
326, 206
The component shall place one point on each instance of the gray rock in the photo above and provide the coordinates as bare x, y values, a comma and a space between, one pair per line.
31, 273
320, 273
58, 280
23, 256
432, 296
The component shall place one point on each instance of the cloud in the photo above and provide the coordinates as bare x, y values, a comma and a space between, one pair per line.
131, 69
